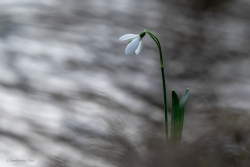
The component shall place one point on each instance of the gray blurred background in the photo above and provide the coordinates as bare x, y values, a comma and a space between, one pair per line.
70, 97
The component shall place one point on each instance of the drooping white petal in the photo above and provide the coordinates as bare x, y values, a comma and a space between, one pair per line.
139, 48
127, 36
132, 46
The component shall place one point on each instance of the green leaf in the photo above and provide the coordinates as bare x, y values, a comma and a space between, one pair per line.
175, 118
182, 106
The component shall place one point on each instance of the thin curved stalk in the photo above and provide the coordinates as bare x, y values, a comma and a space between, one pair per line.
163, 81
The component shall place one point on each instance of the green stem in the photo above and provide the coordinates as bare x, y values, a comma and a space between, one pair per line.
163, 81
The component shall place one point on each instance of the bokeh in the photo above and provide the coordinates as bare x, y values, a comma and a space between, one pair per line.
70, 97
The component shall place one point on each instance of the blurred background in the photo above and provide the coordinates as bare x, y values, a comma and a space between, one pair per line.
70, 97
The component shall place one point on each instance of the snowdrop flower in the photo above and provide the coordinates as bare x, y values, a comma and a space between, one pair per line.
135, 44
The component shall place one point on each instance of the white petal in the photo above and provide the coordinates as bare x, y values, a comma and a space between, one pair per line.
138, 50
127, 36
132, 46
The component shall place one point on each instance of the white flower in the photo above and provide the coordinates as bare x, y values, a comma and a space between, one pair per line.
135, 45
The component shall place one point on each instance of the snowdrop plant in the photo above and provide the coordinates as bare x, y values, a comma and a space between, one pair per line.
177, 116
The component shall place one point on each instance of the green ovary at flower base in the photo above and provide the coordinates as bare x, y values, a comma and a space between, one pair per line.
135, 45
